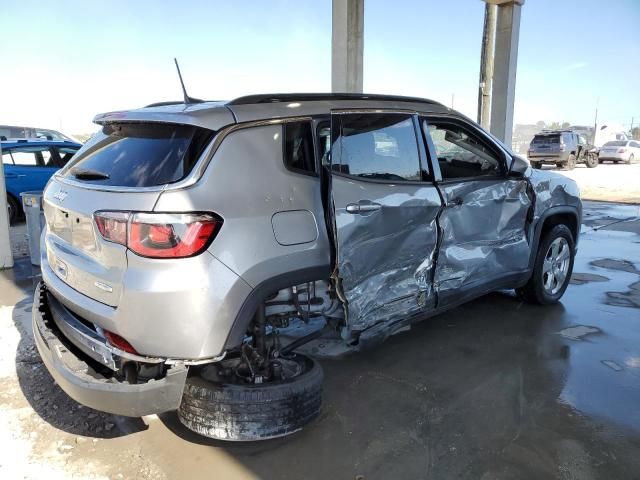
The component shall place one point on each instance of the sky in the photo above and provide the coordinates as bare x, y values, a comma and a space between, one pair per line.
65, 61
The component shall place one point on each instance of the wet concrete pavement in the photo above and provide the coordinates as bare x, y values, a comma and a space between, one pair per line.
493, 389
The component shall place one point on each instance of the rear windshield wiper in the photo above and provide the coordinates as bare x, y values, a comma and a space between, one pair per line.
88, 174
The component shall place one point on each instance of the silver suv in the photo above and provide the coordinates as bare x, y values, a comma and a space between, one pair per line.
184, 241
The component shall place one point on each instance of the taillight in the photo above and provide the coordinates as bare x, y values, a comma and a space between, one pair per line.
112, 226
159, 235
622, 150
170, 236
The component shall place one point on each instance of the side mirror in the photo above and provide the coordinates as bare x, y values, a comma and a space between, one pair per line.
519, 165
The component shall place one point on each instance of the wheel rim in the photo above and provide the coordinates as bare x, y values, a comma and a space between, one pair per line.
556, 265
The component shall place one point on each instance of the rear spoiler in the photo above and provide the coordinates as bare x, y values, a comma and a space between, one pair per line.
212, 116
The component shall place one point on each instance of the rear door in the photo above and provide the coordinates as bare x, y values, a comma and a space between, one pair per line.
484, 219
382, 216
29, 172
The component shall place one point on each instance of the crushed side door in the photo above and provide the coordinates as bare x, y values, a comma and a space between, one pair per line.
382, 218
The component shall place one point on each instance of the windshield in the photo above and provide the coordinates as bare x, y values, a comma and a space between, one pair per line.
139, 155
615, 144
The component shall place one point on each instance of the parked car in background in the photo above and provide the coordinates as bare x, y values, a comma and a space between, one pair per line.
562, 148
11, 132
183, 239
28, 165
626, 151
609, 132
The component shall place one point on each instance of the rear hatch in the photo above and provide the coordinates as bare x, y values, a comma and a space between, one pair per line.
123, 168
545, 145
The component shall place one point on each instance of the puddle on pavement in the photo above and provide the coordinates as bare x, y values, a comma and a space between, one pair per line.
578, 332
578, 278
612, 365
604, 358
612, 264
630, 298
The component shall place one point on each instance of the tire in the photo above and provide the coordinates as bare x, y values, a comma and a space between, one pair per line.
252, 411
14, 210
570, 164
630, 160
591, 161
535, 291
536, 165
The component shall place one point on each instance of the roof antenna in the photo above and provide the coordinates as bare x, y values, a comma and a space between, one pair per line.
187, 99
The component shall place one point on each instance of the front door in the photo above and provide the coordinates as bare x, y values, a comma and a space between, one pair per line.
484, 222
382, 216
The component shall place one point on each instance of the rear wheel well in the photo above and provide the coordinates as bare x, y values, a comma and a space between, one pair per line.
567, 219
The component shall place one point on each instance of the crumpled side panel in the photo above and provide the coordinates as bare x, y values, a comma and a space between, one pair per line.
553, 189
385, 259
484, 236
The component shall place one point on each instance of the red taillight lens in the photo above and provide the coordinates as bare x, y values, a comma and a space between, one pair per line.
113, 226
622, 150
160, 235
119, 342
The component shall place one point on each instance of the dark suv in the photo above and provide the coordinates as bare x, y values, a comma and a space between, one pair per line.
563, 148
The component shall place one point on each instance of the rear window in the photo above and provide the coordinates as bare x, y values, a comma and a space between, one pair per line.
545, 139
139, 155
615, 144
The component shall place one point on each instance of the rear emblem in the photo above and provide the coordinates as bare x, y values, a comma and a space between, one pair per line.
60, 195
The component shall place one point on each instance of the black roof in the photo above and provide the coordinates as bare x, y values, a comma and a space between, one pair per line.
310, 97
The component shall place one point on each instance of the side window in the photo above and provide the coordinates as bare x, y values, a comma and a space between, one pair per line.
379, 146
6, 157
27, 157
323, 136
64, 155
298, 147
47, 159
462, 154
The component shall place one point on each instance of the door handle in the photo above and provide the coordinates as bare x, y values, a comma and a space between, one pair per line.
362, 208
10, 175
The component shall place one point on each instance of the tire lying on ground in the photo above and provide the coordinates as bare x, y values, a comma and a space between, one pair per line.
252, 411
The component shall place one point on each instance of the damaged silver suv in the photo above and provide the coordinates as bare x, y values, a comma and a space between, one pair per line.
184, 242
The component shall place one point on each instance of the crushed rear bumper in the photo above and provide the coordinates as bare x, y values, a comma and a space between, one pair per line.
71, 366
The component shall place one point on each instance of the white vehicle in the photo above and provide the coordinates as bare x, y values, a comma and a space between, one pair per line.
620, 151
608, 133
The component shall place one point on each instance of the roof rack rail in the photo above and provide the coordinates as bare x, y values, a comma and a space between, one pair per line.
309, 97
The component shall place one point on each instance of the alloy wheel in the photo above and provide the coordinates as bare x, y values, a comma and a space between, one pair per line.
556, 265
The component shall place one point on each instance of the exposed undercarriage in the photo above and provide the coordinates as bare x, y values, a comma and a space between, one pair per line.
263, 356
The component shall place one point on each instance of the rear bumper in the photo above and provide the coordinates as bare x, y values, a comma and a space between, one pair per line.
613, 156
547, 158
71, 369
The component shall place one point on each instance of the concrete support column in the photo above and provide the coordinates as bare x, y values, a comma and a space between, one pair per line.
504, 67
486, 66
347, 45
6, 257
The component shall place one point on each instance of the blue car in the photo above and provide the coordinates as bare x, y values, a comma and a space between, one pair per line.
28, 165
